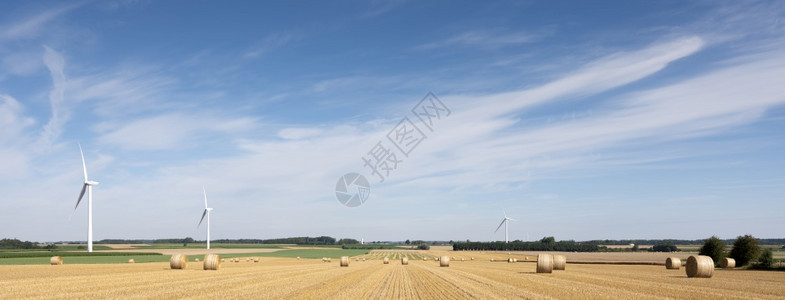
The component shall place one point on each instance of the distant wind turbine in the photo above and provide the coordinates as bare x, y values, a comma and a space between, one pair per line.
206, 212
506, 229
88, 186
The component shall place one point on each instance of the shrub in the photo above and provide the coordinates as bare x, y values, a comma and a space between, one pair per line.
766, 259
714, 248
745, 250
423, 247
664, 248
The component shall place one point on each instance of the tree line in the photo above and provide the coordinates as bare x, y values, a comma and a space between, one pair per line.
680, 242
17, 244
545, 244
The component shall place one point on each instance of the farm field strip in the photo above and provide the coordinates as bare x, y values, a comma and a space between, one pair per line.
307, 279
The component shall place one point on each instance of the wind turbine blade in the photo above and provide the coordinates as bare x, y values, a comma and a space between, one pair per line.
505, 214
84, 187
200, 221
205, 197
84, 166
500, 226
511, 219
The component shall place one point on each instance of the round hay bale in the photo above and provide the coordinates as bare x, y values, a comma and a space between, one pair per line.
196, 260
212, 262
404, 260
673, 263
728, 263
462, 259
444, 261
559, 262
237, 259
544, 263
56, 260
329, 259
472, 258
491, 259
701, 266
363, 258
298, 258
344, 261
453, 258
130, 261
256, 259
386, 260
424, 258
324, 259
510, 260
178, 261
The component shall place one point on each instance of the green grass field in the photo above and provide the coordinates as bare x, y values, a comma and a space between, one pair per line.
42, 258
203, 245
72, 260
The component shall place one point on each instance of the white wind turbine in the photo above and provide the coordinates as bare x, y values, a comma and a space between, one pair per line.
88, 185
206, 212
506, 229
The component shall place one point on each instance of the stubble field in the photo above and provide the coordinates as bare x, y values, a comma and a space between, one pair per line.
289, 278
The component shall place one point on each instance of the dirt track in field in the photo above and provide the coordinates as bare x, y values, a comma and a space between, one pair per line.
286, 278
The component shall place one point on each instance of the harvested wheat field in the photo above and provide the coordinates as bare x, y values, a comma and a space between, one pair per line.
289, 278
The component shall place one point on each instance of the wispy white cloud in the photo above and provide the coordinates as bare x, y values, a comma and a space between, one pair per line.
382, 7
22, 63
55, 62
701, 106
269, 43
172, 131
13, 124
31, 27
12, 120
127, 90
481, 39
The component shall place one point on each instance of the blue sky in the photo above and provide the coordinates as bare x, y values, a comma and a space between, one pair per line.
628, 119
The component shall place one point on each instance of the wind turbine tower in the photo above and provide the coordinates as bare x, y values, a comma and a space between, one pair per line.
206, 212
87, 186
506, 228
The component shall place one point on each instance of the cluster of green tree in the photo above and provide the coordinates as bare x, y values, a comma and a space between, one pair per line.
663, 247
679, 242
369, 246
545, 244
121, 241
173, 241
348, 242
17, 244
321, 240
746, 250
416, 242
